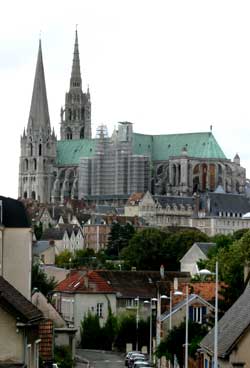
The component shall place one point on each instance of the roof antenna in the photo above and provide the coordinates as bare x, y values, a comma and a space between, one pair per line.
211, 128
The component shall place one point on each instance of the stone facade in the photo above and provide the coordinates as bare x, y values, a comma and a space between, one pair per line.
79, 167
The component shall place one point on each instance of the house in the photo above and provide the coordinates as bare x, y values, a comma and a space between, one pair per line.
233, 336
67, 236
15, 245
84, 292
43, 251
60, 334
19, 328
198, 308
131, 285
197, 252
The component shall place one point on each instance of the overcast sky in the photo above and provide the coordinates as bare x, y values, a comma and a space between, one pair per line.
166, 66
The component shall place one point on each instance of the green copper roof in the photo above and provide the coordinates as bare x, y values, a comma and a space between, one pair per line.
161, 147
69, 152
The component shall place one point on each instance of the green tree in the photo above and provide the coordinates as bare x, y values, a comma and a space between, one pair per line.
232, 259
41, 281
109, 330
62, 356
38, 230
173, 343
150, 248
91, 332
83, 257
119, 238
64, 259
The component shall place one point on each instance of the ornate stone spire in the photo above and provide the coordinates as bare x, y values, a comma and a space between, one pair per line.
76, 80
39, 112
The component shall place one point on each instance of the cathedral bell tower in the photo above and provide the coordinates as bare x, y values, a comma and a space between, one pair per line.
38, 144
76, 116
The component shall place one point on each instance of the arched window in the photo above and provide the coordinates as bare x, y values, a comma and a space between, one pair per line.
31, 149
34, 164
26, 164
82, 133
40, 150
33, 195
82, 113
68, 133
25, 195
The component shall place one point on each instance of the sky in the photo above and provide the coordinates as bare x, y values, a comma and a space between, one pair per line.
167, 66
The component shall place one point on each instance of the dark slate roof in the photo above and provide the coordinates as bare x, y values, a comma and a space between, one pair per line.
14, 213
230, 327
235, 203
16, 304
171, 201
204, 247
40, 246
130, 284
53, 234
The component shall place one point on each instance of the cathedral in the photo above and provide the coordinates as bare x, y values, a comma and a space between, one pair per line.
81, 167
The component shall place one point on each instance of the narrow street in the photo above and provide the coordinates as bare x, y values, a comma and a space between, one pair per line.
101, 359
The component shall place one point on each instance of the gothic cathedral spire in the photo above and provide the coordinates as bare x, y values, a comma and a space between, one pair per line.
76, 115
76, 80
38, 144
39, 111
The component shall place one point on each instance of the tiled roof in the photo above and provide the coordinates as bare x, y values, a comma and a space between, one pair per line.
171, 201
191, 298
230, 327
162, 147
40, 246
53, 234
130, 284
227, 202
69, 152
79, 281
135, 198
17, 304
14, 213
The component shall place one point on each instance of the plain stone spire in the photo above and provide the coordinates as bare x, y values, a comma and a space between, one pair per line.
76, 80
39, 112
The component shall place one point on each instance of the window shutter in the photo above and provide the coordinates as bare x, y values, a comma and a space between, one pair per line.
204, 313
191, 317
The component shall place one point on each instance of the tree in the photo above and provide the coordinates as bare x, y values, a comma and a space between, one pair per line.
109, 330
232, 259
173, 343
119, 238
38, 230
90, 332
64, 259
41, 281
150, 248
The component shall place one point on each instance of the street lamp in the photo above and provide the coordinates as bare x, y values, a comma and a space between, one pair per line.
216, 273
152, 300
158, 320
186, 331
137, 320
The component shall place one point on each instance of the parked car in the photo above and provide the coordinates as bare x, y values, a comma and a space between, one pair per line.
135, 357
128, 355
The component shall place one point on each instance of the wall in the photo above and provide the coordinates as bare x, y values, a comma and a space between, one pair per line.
17, 258
11, 342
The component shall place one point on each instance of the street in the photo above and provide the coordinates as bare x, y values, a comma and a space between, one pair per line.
102, 359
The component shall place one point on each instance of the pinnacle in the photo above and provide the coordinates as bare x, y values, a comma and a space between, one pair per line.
39, 112
75, 80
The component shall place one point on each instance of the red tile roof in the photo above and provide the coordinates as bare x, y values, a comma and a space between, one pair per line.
79, 281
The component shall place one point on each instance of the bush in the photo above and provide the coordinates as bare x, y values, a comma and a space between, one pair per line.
62, 356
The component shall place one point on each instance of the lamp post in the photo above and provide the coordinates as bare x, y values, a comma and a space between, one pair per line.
186, 326
152, 300
216, 273
137, 320
158, 321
